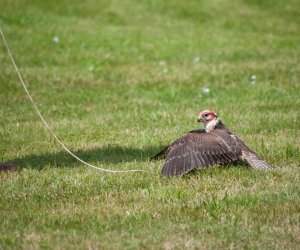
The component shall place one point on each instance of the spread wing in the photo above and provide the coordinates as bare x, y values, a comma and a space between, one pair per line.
164, 152
199, 150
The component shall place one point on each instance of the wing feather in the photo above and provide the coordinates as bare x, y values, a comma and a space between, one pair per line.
199, 150
199, 161
206, 159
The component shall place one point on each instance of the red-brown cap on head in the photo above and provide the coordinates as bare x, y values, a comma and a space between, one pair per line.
209, 112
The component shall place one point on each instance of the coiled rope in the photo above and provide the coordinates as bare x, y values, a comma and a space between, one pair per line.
48, 127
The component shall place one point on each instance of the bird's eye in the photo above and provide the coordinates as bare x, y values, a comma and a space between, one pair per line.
206, 115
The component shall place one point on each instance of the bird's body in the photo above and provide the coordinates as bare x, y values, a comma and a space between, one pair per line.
202, 148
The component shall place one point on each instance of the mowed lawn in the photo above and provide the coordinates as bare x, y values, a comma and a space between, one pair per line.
117, 80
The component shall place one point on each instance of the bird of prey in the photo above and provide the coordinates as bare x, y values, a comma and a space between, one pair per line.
202, 148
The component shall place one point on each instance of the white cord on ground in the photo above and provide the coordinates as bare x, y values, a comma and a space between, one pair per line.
48, 127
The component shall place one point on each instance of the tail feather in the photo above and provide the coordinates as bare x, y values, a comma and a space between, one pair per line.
255, 161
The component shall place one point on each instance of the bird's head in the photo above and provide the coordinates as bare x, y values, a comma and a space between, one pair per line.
206, 116
209, 119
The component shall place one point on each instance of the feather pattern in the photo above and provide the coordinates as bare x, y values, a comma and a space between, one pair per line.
255, 161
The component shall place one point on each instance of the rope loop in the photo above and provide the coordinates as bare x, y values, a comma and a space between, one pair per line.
48, 127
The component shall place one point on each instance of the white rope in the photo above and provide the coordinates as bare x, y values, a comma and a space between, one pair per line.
48, 127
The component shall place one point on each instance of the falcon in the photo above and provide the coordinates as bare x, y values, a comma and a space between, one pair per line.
203, 148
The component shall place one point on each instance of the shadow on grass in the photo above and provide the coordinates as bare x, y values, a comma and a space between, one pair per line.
105, 155
211, 170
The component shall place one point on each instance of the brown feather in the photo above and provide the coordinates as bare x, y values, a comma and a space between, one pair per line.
198, 150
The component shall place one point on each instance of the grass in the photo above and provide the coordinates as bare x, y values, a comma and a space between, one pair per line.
125, 78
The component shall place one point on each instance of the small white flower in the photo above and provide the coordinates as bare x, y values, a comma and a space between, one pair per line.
162, 63
253, 79
205, 90
55, 39
91, 68
197, 59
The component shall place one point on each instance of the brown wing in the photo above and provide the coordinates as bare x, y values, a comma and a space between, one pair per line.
164, 152
200, 150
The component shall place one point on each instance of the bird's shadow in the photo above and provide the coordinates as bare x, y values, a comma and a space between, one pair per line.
103, 155
223, 167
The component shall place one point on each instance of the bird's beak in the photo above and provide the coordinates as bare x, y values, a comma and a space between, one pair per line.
200, 119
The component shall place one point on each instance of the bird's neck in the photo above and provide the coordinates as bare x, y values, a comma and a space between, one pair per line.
211, 125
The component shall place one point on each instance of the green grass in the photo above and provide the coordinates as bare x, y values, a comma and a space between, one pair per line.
124, 80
